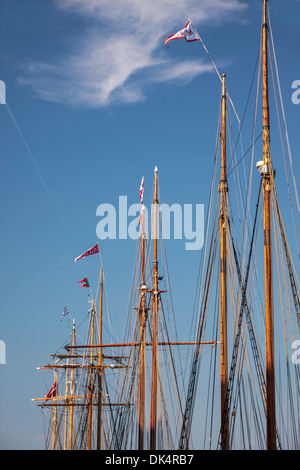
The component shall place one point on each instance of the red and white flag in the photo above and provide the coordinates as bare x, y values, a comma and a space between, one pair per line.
52, 391
84, 282
142, 191
89, 252
187, 33
141, 197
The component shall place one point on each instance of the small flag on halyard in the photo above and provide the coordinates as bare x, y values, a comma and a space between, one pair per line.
65, 312
141, 197
142, 191
52, 391
84, 282
187, 33
91, 251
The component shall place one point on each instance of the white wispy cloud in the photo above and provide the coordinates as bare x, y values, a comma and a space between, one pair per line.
121, 52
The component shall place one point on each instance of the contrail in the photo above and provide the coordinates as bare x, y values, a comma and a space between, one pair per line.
29, 153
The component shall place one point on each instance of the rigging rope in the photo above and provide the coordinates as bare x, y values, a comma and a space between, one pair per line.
284, 120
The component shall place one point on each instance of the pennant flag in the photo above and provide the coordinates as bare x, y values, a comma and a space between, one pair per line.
84, 282
52, 391
89, 252
187, 33
65, 312
141, 197
142, 191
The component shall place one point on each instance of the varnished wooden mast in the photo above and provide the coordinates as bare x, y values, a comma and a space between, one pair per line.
72, 393
153, 415
91, 383
100, 371
267, 192
223, 272
54, 416
142, 315
66, 410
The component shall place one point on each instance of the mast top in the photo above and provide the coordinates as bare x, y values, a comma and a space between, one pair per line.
224, 85
265, 13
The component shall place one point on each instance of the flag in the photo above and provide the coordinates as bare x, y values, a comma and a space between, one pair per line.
52, 391
84, 282
142, 191
89, 252
187, 33
141, 197
65, 312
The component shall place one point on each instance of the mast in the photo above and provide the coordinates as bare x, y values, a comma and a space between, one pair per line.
223, 272
267, 193
66, 410
99, 426
142, 316
153, 415
91, 384
72, 392
54, 416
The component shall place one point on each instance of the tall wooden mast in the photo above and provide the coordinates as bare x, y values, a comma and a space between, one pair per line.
66, 410
223, 272
100, 370
267, 192
153, 415
91, 382
142, 316
72, 392
54, 423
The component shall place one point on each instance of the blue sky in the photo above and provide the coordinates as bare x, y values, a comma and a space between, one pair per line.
94, 101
